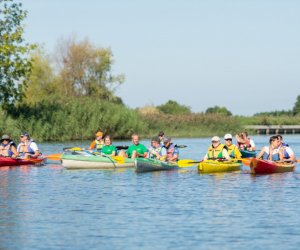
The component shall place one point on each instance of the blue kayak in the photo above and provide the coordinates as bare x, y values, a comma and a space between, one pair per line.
247, 153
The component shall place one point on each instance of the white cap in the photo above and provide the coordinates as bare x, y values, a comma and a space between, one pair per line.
228, 136
216, 138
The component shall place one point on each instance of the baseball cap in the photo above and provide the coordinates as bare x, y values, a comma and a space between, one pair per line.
99, 133
167, 139
24, 134
228, 136
216, 138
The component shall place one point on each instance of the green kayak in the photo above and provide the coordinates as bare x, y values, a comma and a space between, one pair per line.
148, 165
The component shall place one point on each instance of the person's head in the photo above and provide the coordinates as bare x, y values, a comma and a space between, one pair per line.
135, 139
99, 135
167, 141
107, 140
245, 134
274, 142
161, 134
5, 139
215, 141
24, 136
228, 139
155, 141
280, 139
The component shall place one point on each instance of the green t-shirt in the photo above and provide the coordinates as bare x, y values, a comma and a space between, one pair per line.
108, 150
140, 148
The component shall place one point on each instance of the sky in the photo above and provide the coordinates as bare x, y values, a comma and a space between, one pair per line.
243, 55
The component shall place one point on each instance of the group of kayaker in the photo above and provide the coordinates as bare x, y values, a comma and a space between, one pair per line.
276, 151
161, 148
27, 148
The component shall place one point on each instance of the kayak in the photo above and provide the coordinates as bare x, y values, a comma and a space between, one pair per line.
7, 161
149, 165
78, 161
269, 167
215, 166
247, 153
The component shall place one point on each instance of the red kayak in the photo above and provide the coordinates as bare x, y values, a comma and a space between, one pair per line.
7, 161
269, 167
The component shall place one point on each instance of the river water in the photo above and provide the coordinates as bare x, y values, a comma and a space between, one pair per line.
52, 208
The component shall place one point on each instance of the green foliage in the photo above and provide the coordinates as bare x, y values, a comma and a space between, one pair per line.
218, 110
296, 109
174, 108
15, 65
275, 113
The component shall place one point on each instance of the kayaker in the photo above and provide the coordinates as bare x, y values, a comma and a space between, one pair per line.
156, 150
8, 148
136, 150
272, 151
27, 148
217, 150
233, 150
161, 136
244, 142
108, 149
288, 153
98, 143
171, 152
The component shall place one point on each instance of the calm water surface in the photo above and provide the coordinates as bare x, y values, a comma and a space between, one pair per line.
52, 208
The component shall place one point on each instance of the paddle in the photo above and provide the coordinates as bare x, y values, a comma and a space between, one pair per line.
180, 146
187, 163
82, 149
53, 157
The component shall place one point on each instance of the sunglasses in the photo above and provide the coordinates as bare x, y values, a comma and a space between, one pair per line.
228, 139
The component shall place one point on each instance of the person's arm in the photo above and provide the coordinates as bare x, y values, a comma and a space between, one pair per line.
15, 152
225, 154
261, 153
93, 144
237, 153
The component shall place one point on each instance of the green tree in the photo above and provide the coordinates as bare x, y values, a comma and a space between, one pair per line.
174, 108
218, 110
86, 70
15, 65
296, 109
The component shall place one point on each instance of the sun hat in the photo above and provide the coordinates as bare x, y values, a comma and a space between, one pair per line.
216, 138
99, 133
228, 136
5, 137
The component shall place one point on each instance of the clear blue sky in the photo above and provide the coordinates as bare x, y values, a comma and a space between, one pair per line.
243, 54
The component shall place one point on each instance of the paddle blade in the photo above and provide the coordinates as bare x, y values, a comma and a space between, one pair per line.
119, 159
186, 163
53, 157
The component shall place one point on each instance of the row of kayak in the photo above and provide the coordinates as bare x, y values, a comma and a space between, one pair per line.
257, 166
87, 161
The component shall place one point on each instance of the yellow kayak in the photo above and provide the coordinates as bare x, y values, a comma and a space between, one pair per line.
215, 166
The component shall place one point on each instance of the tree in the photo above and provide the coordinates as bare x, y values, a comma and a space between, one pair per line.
86, 70
296, 109
15, 65
218, 110
174, 108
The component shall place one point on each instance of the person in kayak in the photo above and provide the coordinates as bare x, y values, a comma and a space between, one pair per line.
136, 150
8, 148
156, 150
171, 152
217, 150
233, 150
98, 143
272, 151
108, 149
27, 148
288, 153
161, 136
244, 142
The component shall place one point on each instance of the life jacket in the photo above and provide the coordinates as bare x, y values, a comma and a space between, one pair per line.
231, 150
25, 148
216, 153
156, 150
172, 150
266, 155
5, 149
246, 145
285, 153
99, 144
